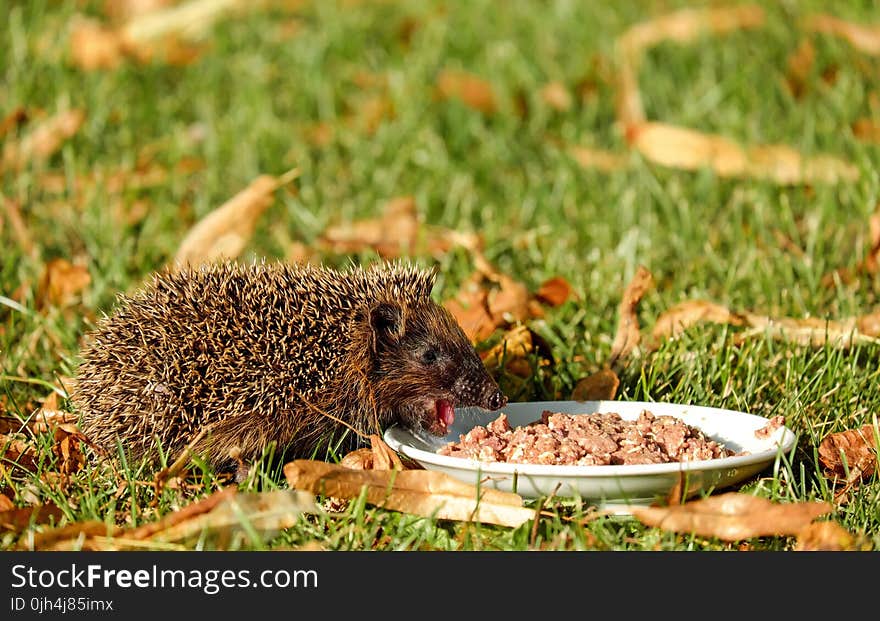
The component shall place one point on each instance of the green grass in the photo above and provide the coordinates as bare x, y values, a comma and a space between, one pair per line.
246, 105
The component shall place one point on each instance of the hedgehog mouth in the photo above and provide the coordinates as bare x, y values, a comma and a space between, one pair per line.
444, 415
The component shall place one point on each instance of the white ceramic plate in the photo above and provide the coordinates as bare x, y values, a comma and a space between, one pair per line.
605, 485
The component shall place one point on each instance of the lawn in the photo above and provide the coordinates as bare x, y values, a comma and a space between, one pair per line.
511, 126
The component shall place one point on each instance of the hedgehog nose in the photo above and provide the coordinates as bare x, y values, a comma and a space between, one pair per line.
497, 400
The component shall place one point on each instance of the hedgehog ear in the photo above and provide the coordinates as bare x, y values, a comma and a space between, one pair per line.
387, 323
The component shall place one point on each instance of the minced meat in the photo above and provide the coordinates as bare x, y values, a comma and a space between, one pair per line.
587, 440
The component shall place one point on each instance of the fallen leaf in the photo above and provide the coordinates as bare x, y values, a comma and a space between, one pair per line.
225, 232
22, 518
599, 159
470, 310
384, 458
471, 90
164, 34
688, 24
489, 300
515, 344
557, 96
422, 492
394, 233
866, 130
6, 503
600, 386
850, 454
265, 513
70, 536
628, 335
371, 111
866, 39
674, 321
554, 291
94, 45
688, 149
733, 516
628, 103
43, 140
19, 453
13, 120
66, 448
815, 332
358, 459
20, 229
825, 536
61, 283
800, 64
122, 10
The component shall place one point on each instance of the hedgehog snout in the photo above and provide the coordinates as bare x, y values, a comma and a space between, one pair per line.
484, 394
496, 401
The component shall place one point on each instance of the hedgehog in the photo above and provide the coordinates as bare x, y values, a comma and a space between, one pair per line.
228, 358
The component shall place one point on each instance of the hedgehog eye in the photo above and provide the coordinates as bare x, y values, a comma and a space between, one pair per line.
430, 356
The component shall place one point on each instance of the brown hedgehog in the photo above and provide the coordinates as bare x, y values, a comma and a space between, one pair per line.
272, 352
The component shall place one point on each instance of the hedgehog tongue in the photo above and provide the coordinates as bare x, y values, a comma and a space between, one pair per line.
445, 413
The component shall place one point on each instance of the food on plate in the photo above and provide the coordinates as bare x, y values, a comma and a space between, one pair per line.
587, 440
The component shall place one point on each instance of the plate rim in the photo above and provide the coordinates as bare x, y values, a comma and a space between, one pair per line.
786, 442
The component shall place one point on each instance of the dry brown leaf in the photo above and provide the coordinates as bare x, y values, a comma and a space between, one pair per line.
267, 513
6, 503
358, 459
440, 240
163, 33
815, 332
43, 140
515, 344
628, 335
606, 161
600, 386
866, 39
470, 310
688, 149
554, 291
61, 283
557, 96
122, 10
421, 492
95, 46
221, 515
866, 130
471, 90
628, 102
853, 450
13, 120
688, 24
508, 302
394, 233
800, 64
733, 516
20, 230
18, 452
489, 300
672, 322
66, 448
384, 458
371, 111
67, 537
825, 536
225, 232
19, 519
